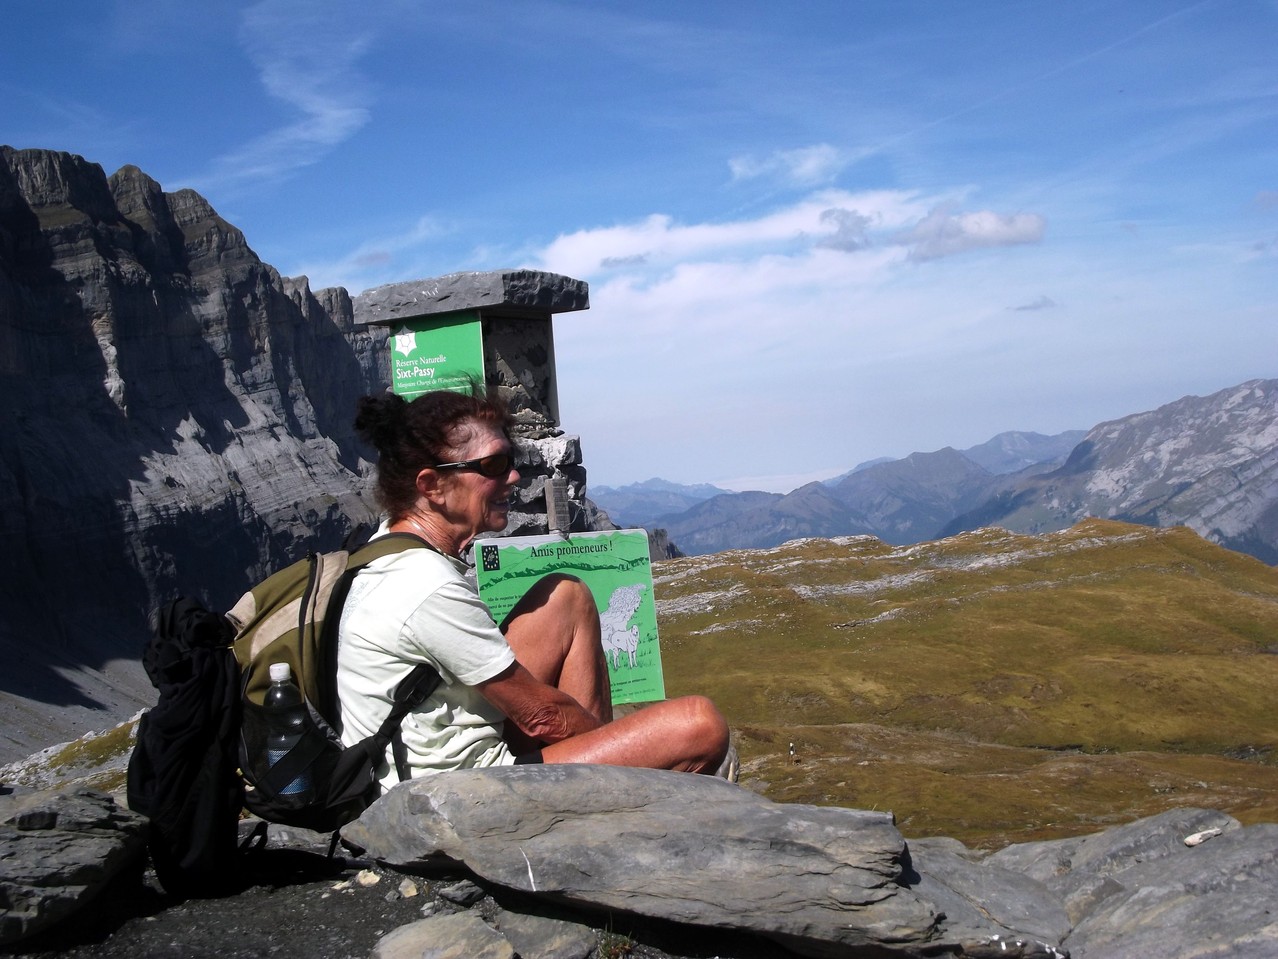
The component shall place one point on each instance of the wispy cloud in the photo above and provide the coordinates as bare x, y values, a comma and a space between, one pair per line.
307, 58
1040, 303
379, 260
708, 300
659, 242
66, 120
805, 167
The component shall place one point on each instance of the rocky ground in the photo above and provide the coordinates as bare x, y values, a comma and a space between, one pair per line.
296, 903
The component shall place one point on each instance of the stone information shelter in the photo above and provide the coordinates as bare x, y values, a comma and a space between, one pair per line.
495, 326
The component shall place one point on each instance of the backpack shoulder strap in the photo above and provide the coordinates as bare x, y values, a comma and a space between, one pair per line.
385, 546
412, 691
368, 553
354, 770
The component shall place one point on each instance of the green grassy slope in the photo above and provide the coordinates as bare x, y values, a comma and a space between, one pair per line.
991, 686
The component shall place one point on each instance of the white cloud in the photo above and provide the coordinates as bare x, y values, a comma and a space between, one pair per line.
832, 218
943, 232
810, 231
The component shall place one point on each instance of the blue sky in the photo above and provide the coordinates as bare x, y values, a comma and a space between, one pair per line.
815, 233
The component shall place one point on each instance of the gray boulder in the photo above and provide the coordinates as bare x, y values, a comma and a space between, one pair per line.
985, 904
461, 935
821, 881
469, 936
545, 937
825, 881
1184, 884
58, 850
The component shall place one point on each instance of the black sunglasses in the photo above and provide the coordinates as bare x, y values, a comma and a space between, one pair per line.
498, 464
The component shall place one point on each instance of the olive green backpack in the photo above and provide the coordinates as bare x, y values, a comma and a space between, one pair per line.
292, 617
201, 751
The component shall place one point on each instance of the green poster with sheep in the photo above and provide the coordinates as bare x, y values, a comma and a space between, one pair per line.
616, 567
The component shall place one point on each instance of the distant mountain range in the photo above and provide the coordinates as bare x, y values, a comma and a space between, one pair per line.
639, 504
1210, 463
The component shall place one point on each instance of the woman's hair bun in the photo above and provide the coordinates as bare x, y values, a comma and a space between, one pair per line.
379, 419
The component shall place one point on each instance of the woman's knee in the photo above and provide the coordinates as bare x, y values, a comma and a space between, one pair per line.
558, 596
568, 593
705, 726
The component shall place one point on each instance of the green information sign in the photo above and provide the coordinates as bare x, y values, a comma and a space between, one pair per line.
616, 567
436, 354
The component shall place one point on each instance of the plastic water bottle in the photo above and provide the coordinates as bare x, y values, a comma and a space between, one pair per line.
287, 720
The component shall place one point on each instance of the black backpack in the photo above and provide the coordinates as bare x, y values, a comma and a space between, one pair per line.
201, 754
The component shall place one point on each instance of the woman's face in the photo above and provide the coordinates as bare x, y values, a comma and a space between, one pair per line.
474, 503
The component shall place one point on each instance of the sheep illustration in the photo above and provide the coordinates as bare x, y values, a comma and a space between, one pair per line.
616, 636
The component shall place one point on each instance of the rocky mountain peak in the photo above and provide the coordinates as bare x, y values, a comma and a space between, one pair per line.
1154, 454
1016, 450
142, 202
47, 181
1206, 462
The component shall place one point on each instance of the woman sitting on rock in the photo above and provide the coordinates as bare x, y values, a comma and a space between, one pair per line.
534, 689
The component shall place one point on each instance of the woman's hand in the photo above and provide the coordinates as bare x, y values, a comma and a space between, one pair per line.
542, 713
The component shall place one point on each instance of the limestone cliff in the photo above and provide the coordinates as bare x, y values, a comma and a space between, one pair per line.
176, 418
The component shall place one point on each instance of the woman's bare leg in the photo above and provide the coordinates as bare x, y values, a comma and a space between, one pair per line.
554, 632
686, 734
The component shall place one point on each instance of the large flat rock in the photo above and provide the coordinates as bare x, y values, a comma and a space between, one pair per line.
533, 291
674, 846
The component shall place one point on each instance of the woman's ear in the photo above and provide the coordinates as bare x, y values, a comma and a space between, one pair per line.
428, 484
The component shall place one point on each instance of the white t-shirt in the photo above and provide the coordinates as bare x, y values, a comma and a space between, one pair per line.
411, 607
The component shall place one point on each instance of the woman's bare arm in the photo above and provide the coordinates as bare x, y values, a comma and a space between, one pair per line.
541, 712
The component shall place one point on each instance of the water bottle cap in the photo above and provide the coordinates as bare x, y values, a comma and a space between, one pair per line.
281, 673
